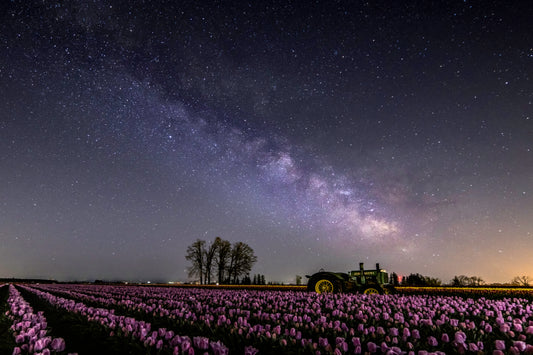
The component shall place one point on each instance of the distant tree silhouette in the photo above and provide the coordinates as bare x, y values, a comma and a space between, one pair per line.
420, 280
463, 280
242, 258
394, 279
222, 257
196, 255
521, 281
209, 256
476, 281
414, 280
231, 262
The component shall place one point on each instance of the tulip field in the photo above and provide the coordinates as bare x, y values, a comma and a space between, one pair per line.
109, 319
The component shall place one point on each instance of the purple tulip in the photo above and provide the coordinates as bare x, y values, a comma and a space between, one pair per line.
517, 327
406, 332
201, 343
473, 347
58, 344
372, 347
460, 337
356, 341
384, 347
520, 345
250, 350
432, 341
480, 345
323, 342
499, 344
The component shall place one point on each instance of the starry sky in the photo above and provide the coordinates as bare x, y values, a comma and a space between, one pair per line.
320, 133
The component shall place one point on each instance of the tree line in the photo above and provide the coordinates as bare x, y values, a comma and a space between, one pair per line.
458, 280
221, 259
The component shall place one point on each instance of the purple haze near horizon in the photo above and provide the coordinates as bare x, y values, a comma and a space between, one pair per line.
322, 136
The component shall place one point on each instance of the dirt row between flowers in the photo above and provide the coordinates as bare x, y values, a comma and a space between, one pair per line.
234, 341
7, 341
80, 335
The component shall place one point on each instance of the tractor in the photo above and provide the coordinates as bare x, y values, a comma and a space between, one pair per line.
364, 281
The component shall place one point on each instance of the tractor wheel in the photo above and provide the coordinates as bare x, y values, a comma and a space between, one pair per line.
389, 290
324, 285
372, 290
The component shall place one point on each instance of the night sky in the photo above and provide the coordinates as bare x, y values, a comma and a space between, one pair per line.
320, 133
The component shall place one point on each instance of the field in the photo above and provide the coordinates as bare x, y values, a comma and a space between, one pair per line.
110, 319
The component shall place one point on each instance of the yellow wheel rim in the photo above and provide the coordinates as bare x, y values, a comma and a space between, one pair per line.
371, 291
322, 286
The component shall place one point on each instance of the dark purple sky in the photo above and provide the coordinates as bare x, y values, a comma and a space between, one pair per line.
322, 136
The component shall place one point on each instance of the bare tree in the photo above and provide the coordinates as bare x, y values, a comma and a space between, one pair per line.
521, 281
209, 259
460, 280
242, 258
222, 257
196, 255
476, 281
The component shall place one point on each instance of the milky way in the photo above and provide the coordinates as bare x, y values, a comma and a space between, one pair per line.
322, 136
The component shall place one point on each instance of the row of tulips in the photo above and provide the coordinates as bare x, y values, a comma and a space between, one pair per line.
159, 339
474, 292
301, 321
29, 328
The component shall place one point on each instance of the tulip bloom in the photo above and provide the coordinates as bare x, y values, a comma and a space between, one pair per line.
372, 347
499, 344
